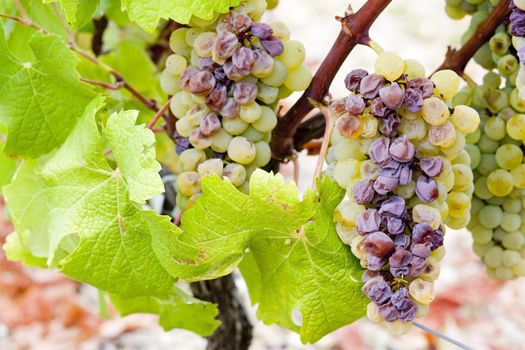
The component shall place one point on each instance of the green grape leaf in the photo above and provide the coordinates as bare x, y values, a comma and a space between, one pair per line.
78, 12
16, 250
178, 310
147, 13
304, 267
133, 148
41, 99
81, 211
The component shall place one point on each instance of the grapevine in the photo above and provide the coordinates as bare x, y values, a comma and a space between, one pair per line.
141, 147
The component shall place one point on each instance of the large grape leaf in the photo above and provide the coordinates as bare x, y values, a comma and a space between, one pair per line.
178, 310
83, 216
77, 194
147, 13
78, 12
304, 268
40, 99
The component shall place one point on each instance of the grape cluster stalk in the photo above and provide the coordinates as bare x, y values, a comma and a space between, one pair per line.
226, 76
398, 150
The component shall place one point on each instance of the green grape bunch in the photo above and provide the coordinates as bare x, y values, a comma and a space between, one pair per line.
227, 76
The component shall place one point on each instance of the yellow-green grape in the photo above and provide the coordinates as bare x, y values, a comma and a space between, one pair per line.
203, 44
176, 64
442, 135
190, 159
348, 149
369, 125
458, 203
178, 42
518, 176
432, 271
346, 233
500, 182
220, 141
241, 150
278, 76
511, 222
481, 189
357, 246
422, 291
170, 83
298, 79
263, 154
495, 128
490, 216
280, 30
178, 106
267, 121
414, 69
184, 126
424, 214
372, 312
465, 119
236, 173
199, 140
446, 83
405, 191
346, 171
493, 257
513, 240
189, 183
509, 156
454, 12
482, 235
234, 126
293, 55
192, 34
516, 127
414, 129
435, 111
516, 101
519, 269
252, 134
251, 112
463, 157
510, 258
463, 177
455, 149
210, 167
473, 137
347, 213
369, 170
389, 65
267, 94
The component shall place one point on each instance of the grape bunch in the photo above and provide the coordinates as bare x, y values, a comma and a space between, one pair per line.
398, 150
496, 152
226, 77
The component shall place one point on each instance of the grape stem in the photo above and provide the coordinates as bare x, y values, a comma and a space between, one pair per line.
159, 114
457, 60
354, 31
442, 336
324, 146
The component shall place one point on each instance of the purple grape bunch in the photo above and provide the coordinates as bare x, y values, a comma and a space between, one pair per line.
396, 246
392, 150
